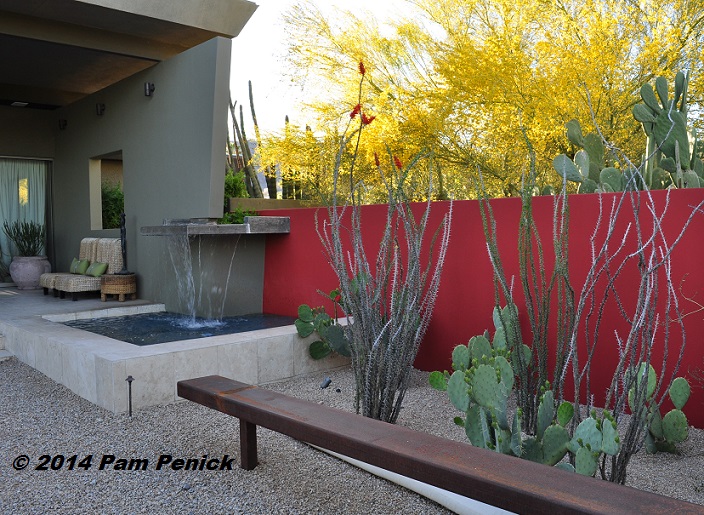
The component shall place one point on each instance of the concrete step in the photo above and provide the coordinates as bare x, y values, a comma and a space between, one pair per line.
2, 342
5, 354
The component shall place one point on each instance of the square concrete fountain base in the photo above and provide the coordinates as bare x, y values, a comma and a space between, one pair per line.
96, 367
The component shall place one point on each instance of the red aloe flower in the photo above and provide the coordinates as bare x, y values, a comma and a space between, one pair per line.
376, 159
398, 163
362, 69
366, 120
355, 111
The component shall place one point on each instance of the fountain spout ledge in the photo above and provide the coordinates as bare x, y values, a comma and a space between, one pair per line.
251, 225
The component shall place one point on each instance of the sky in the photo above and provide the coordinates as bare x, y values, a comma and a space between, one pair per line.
258, 52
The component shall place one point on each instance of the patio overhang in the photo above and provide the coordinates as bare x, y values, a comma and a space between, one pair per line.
56, 52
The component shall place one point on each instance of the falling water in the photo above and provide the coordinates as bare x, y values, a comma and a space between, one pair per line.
200, 290
179, 250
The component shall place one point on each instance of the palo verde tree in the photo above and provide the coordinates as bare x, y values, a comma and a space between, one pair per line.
459, 77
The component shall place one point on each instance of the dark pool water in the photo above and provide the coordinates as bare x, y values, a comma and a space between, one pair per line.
161, 327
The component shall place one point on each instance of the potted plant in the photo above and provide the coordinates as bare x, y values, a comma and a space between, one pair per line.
28, 264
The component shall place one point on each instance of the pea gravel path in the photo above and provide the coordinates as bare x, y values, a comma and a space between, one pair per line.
38, 416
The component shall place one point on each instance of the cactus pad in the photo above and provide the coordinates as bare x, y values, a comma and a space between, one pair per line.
655, 422
610, 441
505, 371
555, 440
479, 347
499, 342
305, 313
674, 426
613, 177
546, 413
516, 442
532, 450
473, 427
679, 392
304, 329
565, 413
587, 434
584, 462
564, 166
438, 380
485, 386
457, 391
460, 358
335, 336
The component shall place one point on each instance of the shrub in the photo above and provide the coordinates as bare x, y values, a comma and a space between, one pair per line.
113, 204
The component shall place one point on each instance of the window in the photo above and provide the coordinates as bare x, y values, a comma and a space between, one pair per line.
106, 191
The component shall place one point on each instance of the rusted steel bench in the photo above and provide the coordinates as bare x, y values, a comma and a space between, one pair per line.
507, 482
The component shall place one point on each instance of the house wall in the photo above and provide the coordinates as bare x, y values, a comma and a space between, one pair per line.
27, 132
222, 16
172, 146
296, 268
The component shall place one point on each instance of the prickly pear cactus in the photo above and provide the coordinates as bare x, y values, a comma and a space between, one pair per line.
593, 437
480, 386
332, 335
549, 445
663, 432
587, 167
666, 122
667, 159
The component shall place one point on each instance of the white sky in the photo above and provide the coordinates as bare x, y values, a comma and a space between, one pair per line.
257, 55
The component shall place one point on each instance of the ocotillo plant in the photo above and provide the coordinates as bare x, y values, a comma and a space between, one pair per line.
652, 318
388, 300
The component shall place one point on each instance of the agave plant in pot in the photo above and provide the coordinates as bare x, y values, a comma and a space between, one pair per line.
28, 264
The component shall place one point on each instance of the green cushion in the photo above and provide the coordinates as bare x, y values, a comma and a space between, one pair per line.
96, 269
82, 266
74, 265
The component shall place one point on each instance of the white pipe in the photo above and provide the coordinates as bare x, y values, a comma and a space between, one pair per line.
454, 502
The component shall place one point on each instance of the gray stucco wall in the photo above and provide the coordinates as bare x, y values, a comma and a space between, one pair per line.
173, 150
27, 132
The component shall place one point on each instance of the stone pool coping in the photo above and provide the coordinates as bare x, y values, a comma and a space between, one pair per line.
96, 367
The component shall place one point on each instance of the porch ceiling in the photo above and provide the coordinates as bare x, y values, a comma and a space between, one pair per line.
55, 52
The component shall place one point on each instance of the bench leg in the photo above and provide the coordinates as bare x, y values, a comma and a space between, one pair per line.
248, 445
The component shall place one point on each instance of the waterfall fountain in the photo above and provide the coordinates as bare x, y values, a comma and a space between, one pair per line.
202, 257
95, 366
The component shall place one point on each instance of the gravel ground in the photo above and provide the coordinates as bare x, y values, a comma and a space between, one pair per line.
39, 417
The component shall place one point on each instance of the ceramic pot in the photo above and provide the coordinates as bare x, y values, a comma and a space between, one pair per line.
26, 270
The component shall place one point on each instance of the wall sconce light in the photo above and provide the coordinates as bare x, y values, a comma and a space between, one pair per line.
62, 124
99, 109
148, 89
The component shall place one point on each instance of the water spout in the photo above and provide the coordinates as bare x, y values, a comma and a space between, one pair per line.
202, 257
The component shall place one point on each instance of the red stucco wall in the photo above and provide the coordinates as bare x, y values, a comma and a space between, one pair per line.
295, 268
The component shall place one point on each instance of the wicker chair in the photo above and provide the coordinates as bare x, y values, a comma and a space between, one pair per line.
87, 250
108, 250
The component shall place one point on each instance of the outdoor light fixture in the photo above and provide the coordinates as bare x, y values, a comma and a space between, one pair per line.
99, 109
148, 89
62, 124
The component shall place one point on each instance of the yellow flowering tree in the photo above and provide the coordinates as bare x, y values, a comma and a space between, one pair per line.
470, 81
